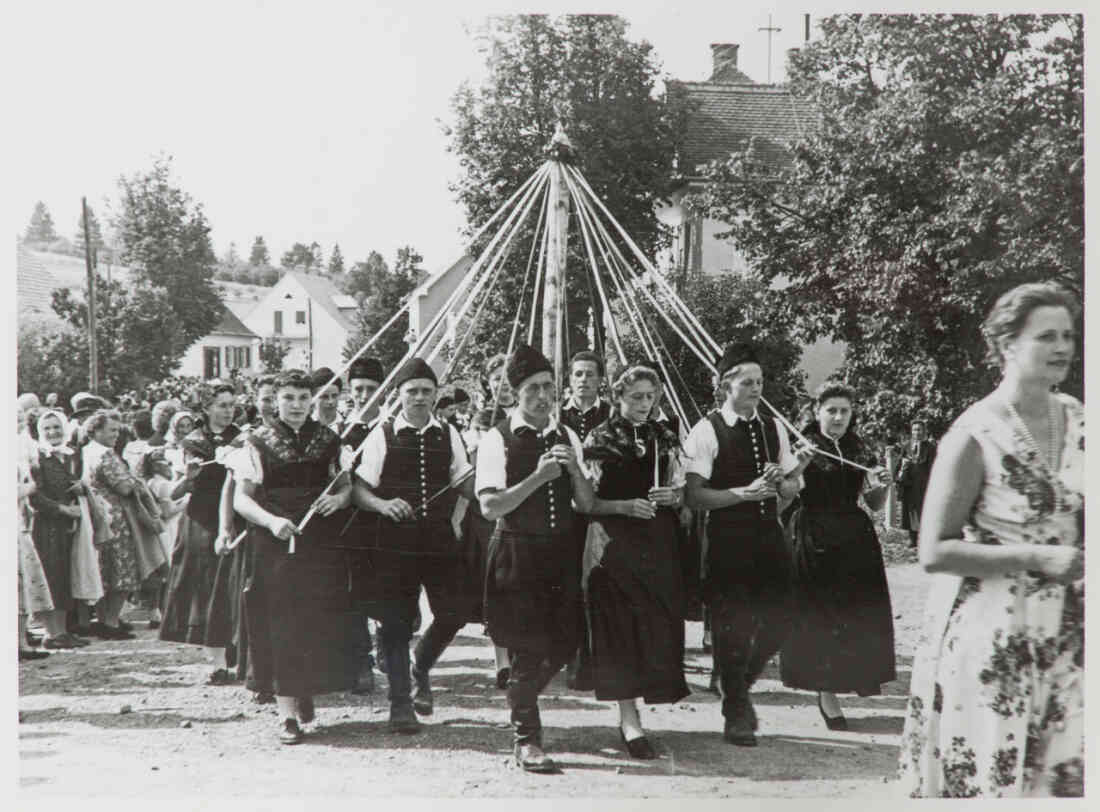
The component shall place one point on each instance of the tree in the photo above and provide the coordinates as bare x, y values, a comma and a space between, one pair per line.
730, 308
231, 259
388, 291
336, 261
165, 238
299, 255
40, 229
93, 229
138, 335
365, 278
259, 254
585, 71
318, 256
272, 353
947, 167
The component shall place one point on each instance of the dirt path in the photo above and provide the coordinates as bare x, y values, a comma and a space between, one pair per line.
133, 719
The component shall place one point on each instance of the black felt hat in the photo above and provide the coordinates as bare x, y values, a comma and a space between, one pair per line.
525, 362
369, 368
444, 402
412, 369
735, 355
322, 377
461, 396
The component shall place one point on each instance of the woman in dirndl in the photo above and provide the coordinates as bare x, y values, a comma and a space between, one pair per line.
194, 560
633, 584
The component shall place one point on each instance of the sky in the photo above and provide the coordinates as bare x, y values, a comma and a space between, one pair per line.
292, 120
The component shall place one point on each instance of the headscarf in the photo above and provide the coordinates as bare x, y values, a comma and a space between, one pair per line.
172, 437
61, 448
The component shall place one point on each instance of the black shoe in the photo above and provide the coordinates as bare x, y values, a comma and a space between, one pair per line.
154, 624
503, 675
739, 727
291, 733
33, 638
306, 710
126, 627
403, 719
531, 758
219, 676
421, 692
832, 722
639, 747
105, 632
263, 698
32, 654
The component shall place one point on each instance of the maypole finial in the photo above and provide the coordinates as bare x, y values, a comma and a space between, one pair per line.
560, 147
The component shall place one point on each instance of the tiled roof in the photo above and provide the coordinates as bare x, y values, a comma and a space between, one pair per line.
323, 292
725, 118
230, 325
34, 285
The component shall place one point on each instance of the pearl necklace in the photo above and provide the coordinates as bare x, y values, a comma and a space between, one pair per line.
1050, 462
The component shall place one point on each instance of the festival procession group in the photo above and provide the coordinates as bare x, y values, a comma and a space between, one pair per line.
295, 546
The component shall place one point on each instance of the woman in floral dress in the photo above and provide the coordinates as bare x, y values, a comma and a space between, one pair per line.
997, 694
109, 480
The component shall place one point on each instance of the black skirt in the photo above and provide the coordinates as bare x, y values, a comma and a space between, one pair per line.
635, 605
533, 599
842, 638
304, 603
190, 583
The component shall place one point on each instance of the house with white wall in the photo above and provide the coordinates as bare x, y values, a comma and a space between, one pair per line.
230, 345
729, 113
309, 313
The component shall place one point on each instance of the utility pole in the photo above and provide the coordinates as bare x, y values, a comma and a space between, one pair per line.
771, 30
557, 225
93, 352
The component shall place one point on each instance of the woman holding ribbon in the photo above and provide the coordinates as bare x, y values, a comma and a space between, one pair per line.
631, 570
842, 635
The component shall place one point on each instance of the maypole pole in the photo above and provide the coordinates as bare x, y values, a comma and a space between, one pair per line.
560, 152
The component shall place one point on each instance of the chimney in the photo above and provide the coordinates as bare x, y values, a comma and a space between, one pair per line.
724, 56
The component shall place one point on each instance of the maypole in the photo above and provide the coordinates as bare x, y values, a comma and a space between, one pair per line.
557, 229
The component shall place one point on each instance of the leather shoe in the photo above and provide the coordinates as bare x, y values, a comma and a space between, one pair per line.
421, 692
219, 676
639, 747
60, 642
403, 720
291, 733
739, 731
306, 711
32, 654
832, 722
531, 758
503, 675
263, 698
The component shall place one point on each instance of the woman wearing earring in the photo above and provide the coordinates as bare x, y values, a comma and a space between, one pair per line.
631, 572
842, 637
996, 706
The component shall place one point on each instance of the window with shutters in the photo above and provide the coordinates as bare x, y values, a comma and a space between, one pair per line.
300, 317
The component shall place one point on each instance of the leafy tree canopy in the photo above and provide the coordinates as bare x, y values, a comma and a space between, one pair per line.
165, 238
586, 72
259, 255
40, 229
380, 293
945, 168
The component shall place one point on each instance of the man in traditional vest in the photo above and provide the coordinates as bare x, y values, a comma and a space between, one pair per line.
365, 375
411, 473
584, 411
327, 411
530, 479
739, 463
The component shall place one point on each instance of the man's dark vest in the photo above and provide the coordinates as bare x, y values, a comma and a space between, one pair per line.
584, 422
549, 510
417, 468
743, 449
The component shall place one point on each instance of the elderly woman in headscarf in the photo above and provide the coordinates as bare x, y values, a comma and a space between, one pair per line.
110, 480
180, 425
56, 520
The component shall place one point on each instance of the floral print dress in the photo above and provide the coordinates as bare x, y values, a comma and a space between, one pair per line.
997, 693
